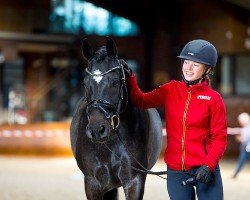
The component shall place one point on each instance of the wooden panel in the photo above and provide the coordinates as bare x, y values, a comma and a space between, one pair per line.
26, 3
224, 27
24, 16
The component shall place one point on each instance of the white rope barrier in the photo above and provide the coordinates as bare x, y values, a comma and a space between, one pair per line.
33, 133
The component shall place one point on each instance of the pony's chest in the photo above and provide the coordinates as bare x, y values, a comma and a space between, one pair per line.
107, 173
102, 173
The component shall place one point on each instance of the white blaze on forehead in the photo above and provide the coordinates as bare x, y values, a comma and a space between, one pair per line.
97, 76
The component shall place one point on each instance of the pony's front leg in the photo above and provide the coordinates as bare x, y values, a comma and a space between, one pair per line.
134, 189
92, 189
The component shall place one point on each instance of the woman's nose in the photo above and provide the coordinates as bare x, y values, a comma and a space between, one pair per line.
189, 66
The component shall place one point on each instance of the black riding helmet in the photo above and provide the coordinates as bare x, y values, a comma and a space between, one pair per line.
200, 51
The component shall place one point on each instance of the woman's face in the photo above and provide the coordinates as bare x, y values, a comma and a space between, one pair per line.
192, 70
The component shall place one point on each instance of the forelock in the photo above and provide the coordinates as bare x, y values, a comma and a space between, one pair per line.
100, 54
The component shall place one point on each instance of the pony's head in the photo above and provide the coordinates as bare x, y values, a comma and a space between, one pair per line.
105, 90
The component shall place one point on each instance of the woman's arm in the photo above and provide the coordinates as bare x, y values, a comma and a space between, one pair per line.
155, 98
234, 131
218, 131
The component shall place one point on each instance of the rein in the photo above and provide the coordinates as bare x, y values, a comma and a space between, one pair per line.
143, 169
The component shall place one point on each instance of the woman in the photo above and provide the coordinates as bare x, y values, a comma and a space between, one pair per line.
195, 124
243, 136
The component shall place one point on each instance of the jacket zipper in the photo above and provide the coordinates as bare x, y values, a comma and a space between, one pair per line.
184, 131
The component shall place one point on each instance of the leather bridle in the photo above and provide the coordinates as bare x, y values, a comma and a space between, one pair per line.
110, 111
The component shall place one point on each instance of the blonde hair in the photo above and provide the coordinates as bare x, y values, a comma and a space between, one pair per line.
209, 74
244, 118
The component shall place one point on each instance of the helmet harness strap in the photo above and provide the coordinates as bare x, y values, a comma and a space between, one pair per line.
202, 78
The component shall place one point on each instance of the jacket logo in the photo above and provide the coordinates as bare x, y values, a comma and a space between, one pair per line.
204, 97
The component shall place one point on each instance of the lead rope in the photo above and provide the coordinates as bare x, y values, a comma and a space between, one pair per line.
143, 170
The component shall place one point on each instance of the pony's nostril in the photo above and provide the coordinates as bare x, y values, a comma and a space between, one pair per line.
96, 133
88, 132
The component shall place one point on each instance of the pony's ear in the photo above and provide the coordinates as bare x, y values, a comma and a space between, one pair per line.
111, 47
87, 50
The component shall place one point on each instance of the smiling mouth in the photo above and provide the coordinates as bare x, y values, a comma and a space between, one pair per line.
189, 74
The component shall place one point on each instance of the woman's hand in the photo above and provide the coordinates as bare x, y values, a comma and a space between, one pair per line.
127, 70
204, 175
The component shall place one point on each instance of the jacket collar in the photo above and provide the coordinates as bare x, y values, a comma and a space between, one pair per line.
196, 87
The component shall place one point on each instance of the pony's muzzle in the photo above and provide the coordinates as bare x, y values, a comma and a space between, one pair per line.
97, 133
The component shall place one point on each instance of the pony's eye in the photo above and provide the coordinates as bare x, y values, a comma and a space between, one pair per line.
115, 83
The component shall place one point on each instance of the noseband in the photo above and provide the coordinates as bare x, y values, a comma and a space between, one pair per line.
106, 108
110, 111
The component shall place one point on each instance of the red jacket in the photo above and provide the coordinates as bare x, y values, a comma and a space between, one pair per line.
195, 122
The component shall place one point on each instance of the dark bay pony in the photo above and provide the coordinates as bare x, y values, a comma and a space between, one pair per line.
109, 137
